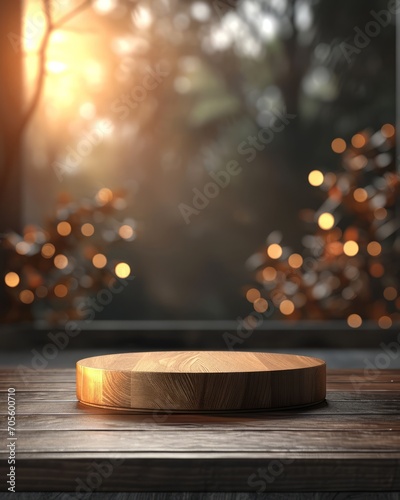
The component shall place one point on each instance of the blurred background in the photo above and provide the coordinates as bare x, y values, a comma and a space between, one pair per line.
173, 160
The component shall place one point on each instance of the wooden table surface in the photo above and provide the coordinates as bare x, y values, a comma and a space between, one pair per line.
349, 443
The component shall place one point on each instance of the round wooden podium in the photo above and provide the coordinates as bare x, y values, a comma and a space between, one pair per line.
200, 381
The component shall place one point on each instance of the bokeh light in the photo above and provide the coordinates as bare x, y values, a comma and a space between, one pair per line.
99, 260
48, 250
385, 322
269, 273
380, 213
358, 162
376, 270
388, 130
326, 221
354, 320
56, 67
64, 228
125, 232
26, 297
350, 248
358, 141
274, 251
316, 178
252, 294
286, 307
295, 261
104, 196
12, 279
22, 247
60, 261
122, 270
374, 248
60, 291
260, 305
338, 145
335, 248
104, 6
390, 293
87, 229
360, 195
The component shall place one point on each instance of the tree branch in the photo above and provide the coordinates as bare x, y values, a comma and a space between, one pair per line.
74, 12
26, 117
41, 73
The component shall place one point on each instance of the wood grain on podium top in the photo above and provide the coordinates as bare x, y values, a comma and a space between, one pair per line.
200, 362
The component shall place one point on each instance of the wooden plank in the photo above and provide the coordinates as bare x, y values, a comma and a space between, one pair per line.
204, 440
360, 387
372, 374
363, 395
203, 474
70, 395
386, 407
23, 371
45, 395
308, 422
34, 386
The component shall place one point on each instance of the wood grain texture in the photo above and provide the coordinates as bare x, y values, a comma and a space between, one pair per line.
348, 444
182, 422
200, 381
212, 496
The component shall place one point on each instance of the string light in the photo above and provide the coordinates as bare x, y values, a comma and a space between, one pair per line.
45, 255
332, 281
